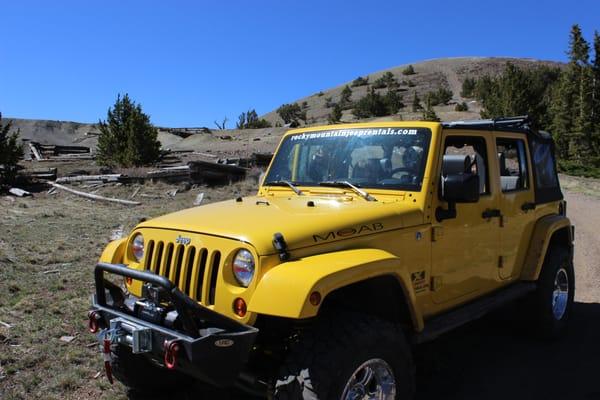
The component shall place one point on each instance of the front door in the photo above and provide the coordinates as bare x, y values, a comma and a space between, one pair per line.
465, 249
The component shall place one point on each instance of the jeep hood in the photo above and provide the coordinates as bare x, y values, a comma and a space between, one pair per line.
303, 220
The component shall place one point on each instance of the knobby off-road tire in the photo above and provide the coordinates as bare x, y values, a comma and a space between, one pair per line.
141, 375
550, 306
337, 355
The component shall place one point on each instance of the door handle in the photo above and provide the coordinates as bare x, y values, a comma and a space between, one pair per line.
528, 206
491, 213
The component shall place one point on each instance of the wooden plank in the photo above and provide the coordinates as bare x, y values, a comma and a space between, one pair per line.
95, 196
35, 152
19, 192
87, 178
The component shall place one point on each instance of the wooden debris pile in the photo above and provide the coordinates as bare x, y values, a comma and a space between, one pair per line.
46, 152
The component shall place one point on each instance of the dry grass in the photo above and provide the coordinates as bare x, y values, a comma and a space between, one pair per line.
48, 247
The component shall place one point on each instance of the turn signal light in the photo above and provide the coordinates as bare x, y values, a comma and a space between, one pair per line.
239, 307
315, 298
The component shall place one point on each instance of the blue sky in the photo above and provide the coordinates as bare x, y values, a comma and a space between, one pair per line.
192, 62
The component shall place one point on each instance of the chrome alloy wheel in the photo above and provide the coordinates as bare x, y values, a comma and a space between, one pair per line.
373, 380
560, 295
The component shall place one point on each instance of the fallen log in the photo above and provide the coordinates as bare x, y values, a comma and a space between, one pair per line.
95, 196
87, 178
35, 152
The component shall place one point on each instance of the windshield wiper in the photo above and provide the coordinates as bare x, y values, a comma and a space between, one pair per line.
285, 183
347, 184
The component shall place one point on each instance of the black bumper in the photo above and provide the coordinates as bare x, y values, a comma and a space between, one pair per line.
214, 348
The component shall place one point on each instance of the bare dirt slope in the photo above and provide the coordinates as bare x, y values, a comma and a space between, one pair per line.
430, 75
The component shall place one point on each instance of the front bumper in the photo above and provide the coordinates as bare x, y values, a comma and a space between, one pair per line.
213, 347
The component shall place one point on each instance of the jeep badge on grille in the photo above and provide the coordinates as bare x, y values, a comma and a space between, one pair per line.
183, 240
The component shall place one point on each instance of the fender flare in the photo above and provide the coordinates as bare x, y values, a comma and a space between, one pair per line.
540, 239
114, 252
284, 290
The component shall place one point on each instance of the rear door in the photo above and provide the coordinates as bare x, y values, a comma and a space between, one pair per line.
516, 202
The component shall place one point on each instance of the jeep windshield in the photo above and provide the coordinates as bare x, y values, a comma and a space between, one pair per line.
385, 158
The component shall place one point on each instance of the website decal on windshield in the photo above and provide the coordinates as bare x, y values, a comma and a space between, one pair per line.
354, 133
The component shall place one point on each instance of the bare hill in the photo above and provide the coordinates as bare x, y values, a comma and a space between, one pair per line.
430, 75
448, 73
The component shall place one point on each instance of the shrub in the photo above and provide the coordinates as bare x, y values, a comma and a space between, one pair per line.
393, 101
250, 120
10, 151
409, 70
468, 88
416, 103
127, 138
461, 107
360, 81
320, 94
411, 83
292, 114
329, 102
379, 83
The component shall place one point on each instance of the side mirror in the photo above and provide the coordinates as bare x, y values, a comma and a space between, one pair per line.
457, 188
460, 188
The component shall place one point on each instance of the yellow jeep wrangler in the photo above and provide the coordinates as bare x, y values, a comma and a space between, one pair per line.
363, 241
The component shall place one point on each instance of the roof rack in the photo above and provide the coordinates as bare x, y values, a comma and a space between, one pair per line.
520, 123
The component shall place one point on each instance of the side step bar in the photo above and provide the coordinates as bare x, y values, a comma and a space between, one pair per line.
448, 321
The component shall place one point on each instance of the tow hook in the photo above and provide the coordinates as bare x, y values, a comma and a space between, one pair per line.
93, 325
171, 353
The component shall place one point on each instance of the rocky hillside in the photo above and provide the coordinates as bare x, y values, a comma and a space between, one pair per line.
448, 73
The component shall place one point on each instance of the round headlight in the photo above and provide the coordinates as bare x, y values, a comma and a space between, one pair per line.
243, 267
137, 247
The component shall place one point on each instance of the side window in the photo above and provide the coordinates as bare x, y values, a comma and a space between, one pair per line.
512, 160
474, 147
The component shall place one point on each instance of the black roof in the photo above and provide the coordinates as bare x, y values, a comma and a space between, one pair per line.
520, 124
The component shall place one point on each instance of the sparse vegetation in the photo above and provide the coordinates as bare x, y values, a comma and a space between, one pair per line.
440, 96
461, 107
429, 113
127, 138
360, 81
292, 114
468, 88
410, 70
250, 120
386, 80
345, 96
416, 103
336, 114
376, 105
10, 151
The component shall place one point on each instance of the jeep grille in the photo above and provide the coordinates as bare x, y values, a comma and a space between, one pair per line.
189, 267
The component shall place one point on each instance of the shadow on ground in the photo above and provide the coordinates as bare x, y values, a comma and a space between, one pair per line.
494, 358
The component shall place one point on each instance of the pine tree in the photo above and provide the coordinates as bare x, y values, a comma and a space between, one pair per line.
416, 103
429, 113
250, 120
291, 114
336, 114
345, 96
596, 97
127, 138
372, 105
10, 151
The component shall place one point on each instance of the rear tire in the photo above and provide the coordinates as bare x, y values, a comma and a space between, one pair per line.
346, 354
552, 302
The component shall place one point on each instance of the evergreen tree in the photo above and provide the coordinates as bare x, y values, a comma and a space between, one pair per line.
250, 120
291, 114
127, 138
409, 70
372, 105
468, 88
336, 114
429, 113
416, 103
10, 152
596, 95
345, 96
393, 102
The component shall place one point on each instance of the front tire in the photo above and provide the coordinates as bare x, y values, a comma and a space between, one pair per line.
552, 302
348, 356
